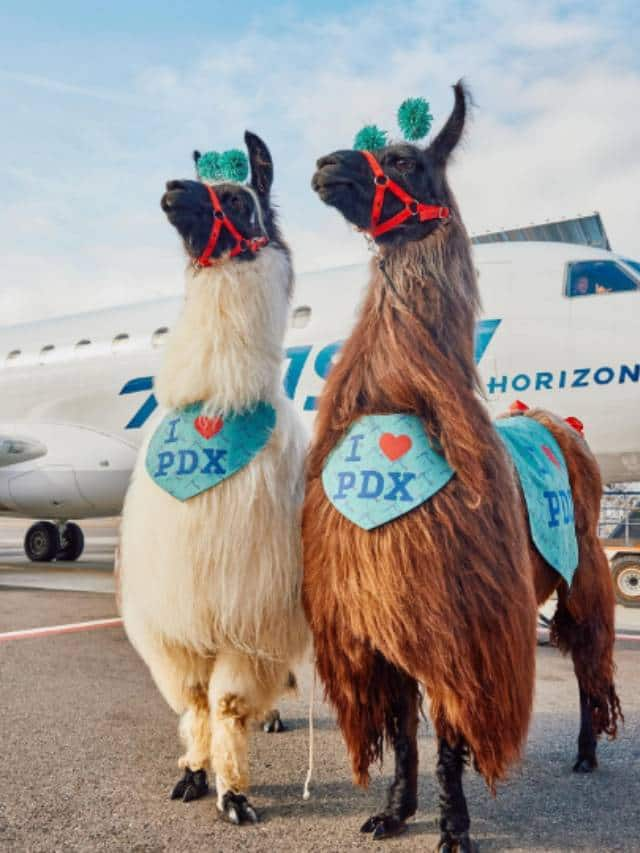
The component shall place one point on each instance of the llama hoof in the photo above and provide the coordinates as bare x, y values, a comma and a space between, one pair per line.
272, 723
585, 764
192, 786
456, 844
383, 826
237, 809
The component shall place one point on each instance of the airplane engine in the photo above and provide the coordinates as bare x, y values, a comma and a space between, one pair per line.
62, 472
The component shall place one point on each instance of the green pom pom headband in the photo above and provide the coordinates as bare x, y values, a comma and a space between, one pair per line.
213, 167
414, 120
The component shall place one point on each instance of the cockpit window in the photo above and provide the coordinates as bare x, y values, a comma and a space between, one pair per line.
635, 265
588, 278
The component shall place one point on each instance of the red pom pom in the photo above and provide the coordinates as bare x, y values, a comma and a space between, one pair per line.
518, 406
576, 423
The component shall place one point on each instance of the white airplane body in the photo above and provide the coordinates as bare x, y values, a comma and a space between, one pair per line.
76, 392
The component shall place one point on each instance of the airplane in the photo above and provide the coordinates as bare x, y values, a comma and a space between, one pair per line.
559, 330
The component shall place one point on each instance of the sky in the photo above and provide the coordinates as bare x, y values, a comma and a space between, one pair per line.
102, 103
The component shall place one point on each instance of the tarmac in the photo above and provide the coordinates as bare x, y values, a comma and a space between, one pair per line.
89, 748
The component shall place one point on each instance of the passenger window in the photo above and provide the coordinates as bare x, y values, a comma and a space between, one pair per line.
119, 341
590, 278
14, 354
159, 337
46, 352
301, 317
85, 342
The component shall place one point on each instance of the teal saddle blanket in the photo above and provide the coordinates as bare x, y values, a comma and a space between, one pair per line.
385, 466
190, 452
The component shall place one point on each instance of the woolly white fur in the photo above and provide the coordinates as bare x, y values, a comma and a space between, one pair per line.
220, 573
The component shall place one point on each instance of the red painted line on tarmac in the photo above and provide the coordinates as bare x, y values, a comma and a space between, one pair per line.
71, 628
116, 622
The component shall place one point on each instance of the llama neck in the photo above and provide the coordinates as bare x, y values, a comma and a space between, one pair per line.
226, 348
419, 332
415, 354
437, 305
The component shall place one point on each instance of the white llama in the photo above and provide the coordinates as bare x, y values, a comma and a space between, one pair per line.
210, 583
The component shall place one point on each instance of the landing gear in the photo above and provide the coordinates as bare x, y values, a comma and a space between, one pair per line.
45, 541
41, 543
71, 542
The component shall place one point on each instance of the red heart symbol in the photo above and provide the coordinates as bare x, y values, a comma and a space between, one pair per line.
394, 446
548, 452
208, 427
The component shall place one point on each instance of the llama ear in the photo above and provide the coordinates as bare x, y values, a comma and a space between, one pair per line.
449, 136
261, 163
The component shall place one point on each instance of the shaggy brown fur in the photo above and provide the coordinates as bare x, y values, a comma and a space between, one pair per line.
448, 592
441, 592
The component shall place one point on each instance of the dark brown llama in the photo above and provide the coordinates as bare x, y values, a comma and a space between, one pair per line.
445, 595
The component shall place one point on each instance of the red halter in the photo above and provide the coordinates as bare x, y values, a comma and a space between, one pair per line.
412, 207
220, 219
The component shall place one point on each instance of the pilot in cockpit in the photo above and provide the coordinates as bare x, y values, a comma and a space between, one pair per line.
582, 286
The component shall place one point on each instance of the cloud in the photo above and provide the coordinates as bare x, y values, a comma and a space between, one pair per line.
553, 134
58, 285
568, 157
52, 85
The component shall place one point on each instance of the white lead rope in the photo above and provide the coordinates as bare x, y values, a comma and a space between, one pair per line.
306, 793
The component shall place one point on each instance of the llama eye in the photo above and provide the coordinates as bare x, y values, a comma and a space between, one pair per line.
405, 165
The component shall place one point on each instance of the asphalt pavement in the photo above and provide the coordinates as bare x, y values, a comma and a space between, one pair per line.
89, 748
89, 755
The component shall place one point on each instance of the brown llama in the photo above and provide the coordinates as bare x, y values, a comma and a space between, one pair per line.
445, 595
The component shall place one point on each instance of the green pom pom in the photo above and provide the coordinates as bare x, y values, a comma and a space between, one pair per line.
414, 118
370, 138
229, 166
234, 166
208, 166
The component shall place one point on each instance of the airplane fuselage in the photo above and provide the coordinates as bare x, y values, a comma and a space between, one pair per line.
77, 393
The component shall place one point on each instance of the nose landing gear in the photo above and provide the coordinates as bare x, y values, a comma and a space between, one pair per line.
45, 541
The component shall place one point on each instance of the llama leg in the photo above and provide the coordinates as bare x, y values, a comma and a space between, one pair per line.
195, 732
402, 796
584, 625
586, 762
181, 676
454, 815
272, 721
237, 693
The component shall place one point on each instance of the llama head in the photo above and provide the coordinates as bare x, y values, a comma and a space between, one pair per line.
345, 180
188, 207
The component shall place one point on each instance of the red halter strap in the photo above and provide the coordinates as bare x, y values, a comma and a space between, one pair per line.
412, 207
220, 220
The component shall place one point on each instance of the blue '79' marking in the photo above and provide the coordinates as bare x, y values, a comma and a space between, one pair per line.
297, 357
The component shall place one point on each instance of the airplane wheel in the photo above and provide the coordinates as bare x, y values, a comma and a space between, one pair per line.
71, 543
41, 542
